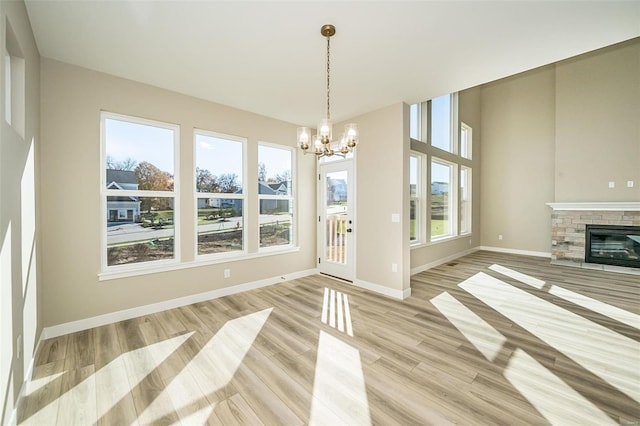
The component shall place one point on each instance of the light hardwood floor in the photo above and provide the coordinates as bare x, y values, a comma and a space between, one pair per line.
485, 339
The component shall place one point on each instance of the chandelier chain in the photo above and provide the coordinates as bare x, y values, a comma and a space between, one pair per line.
322, 143
328, 77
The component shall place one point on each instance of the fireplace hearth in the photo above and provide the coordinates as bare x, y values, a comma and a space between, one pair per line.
613, 245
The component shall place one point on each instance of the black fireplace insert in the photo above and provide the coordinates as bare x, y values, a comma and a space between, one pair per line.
613, 245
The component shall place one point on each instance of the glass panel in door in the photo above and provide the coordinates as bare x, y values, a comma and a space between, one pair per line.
337, 217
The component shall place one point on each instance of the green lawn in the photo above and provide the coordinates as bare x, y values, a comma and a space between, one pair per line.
438, 227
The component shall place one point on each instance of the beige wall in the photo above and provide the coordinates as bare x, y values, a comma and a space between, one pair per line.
381, 177
598, 125
424, 256
19, 271
518, 122
72, 99
558, 133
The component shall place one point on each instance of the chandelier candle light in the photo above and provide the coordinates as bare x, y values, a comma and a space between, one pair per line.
323, 140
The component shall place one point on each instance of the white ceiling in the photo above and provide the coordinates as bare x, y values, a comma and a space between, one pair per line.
269, 57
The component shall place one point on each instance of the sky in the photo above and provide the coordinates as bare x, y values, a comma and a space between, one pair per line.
140, 142
156, 145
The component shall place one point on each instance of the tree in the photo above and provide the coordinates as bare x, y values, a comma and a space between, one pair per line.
128, 164
262, 172
283, 177
151, 178
205, 181
228, 183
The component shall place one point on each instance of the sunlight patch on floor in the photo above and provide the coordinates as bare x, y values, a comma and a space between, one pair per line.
37, 384
594, 305
518, 276
339, 393
607, 354
605, 309
481, 334
336, 311
553, 398
79, 405
210, 370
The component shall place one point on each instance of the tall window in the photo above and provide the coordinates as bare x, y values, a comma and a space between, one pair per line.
416, 196
275, 195
442, 198
15, 82
139, 191
219, 193
466, 141
441, 123
465, 200
414, 121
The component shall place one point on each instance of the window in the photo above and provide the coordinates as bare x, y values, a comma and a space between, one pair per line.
139, 191
219, 193
444, 204
416, 197
14, 81
275, 195
441, 201
466, 141
465, 200
414, 121
441, 122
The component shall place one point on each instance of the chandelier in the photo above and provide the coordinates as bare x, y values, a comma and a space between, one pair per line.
322, 141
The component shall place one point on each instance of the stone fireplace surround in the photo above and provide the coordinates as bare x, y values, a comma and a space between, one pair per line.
568, 229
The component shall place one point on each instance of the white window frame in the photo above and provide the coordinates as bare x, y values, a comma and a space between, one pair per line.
291, 198
452, 220
466, 200
105, 192
466, 143
220, 195
420, 198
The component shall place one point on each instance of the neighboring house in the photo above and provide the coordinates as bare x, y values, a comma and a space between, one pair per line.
280, 188
210, 203
273, 205
439, 188
125, 208
337, 190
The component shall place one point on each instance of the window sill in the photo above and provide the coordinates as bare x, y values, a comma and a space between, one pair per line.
439, 241
197, 263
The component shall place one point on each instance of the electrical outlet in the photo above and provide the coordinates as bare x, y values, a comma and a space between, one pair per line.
612, 184
227, 273
394, 267
500, 237
629, 184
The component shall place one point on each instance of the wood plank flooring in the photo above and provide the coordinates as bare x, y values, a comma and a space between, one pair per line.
486, 339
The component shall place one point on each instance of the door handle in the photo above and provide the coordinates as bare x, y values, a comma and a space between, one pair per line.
348, 229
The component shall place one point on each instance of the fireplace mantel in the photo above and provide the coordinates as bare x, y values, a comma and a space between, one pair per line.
597, 206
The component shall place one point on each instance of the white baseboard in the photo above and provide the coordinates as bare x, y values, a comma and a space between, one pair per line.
439, 262
97, 321
380, 289
515, 251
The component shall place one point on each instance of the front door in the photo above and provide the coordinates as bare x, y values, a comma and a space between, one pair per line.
336, 228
